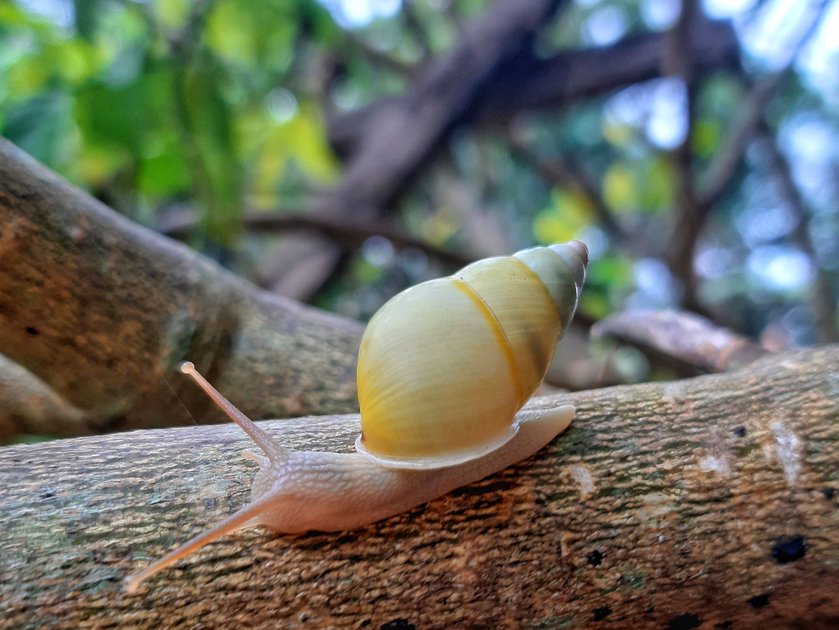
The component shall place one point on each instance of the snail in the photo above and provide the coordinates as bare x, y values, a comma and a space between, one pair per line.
443, 370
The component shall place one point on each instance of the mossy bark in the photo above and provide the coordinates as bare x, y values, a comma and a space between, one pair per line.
708, 502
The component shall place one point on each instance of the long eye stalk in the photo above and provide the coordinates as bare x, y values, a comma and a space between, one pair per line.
275, 453
240, 519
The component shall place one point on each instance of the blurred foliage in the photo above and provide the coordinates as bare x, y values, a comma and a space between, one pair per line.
147, 104
220, 106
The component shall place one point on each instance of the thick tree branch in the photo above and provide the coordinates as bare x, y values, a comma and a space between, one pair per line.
404, 138
29, 406
103, 311
708, 502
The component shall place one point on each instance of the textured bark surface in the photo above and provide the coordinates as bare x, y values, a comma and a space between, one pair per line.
709, 502
103, 311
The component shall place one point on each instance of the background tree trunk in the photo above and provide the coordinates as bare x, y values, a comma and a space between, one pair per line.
104, 311
705, 502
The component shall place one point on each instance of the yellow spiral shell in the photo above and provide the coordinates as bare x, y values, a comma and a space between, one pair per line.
444, 366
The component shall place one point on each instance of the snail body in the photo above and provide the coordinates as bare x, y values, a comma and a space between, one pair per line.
477, 344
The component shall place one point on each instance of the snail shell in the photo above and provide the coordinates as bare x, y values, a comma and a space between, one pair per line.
444, 366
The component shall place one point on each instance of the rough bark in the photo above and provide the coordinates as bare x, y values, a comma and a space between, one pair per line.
708, 502
103, 311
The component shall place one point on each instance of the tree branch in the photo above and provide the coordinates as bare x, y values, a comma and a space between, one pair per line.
696, 203
347, 232
690, 214
562, 171
490, 74
681, 336
30, 407
821, 294
704, 502
103, 311
531, 83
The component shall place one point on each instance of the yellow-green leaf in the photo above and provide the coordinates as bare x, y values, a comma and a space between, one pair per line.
619, 190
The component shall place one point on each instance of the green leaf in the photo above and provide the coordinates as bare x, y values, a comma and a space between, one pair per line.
619, 190
165, 173
215, 170
173, 14
253, 34
610, 269
707, 137
113, 116
567, 214
657, 185
608, 280
28, 76
304, 137
42, 127
86, 12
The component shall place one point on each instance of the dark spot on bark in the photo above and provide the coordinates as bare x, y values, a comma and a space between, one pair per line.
31, 330
47, 495
759, 601
789, 549
723, 625
366, 623
398, 624
595, 558
829, 493
740, 431
110, 362
210, 504
683, 622
601, 613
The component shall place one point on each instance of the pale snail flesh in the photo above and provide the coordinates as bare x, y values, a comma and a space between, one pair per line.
299, 491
